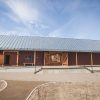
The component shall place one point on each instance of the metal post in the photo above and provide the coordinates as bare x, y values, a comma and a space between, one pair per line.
76, 59
3, 58
44, 58
67, 58
91, 62
17, 57
34, 58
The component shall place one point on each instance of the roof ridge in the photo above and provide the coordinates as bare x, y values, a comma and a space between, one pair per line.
51, 37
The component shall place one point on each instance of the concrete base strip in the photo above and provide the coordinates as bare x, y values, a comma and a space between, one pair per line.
29, 96
3, 85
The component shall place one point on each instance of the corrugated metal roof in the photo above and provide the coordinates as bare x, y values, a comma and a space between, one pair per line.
48, 44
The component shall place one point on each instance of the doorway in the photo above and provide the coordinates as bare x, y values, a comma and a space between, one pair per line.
7, 59
39, 58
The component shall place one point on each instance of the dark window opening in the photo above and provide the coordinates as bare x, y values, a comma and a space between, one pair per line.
28, 58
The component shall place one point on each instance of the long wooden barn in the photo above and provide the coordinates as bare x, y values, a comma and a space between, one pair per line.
48, 51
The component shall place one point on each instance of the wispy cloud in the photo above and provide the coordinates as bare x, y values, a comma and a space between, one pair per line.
29, 15
57, 18
23, 10
60, 31
83, 21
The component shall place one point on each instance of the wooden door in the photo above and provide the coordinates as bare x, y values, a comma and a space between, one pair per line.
39, 58
10, 58
7, 60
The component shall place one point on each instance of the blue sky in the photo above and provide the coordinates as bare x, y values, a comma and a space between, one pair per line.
51, 18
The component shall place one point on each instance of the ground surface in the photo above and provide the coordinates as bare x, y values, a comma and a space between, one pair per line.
67, 91
66, 75
21, 81
3, 85
18, 90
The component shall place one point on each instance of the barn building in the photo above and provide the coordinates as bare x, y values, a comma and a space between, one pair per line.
48, 51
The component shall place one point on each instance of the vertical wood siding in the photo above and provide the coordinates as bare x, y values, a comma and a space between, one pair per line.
23, 54
39, 58
13, 57
64, 58
71, 58
1, 57
96, 58
84, 58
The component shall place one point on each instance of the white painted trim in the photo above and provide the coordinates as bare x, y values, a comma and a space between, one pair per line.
5, 85
37, 88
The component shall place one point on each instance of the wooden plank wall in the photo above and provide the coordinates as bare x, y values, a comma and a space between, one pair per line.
45, 58
39, 58
23, 54
71, 58
64, 58
84, 58
13, 57
1, 58
96, 58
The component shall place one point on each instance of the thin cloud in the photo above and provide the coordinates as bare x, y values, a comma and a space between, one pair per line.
22, 10
64, 18
60, 30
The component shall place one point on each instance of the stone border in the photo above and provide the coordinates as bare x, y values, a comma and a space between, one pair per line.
3, 85
28, 97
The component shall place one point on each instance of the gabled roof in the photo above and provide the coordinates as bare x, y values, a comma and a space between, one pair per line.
48, 44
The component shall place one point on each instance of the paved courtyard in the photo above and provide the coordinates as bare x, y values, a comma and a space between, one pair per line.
66, 91
68, 75
76, 80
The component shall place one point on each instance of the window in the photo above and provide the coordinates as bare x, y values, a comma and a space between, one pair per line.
28, 58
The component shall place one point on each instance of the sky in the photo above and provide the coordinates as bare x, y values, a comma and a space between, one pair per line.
51, 18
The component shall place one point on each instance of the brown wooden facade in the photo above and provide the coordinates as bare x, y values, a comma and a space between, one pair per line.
48, 58
1, 57
84, 58
71, 58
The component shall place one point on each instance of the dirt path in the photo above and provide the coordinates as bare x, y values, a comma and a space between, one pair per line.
61, 94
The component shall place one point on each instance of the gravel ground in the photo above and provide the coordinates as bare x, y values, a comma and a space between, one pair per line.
18, 90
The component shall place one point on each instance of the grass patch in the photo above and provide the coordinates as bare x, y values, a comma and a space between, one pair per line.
18, 90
